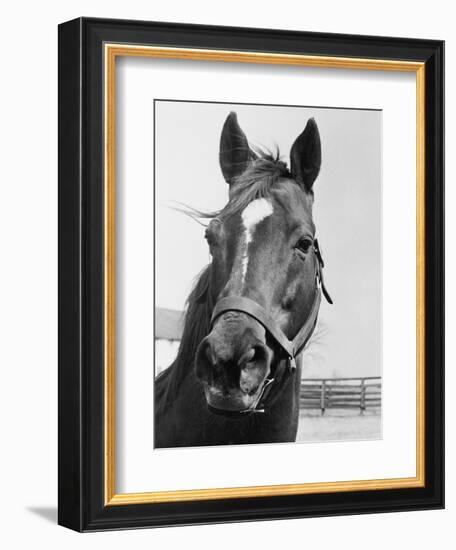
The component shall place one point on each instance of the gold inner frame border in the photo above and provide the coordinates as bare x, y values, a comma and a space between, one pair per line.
110, 53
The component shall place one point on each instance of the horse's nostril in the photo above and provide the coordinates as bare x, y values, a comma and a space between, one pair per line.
204, 361
255, 355
230, 365
247, 357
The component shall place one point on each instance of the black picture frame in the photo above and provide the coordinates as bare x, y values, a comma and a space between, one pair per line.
81, 399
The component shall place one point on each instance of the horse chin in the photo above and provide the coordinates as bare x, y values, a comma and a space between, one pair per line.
229, 402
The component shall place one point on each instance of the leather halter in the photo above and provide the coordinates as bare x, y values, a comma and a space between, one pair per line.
290, 348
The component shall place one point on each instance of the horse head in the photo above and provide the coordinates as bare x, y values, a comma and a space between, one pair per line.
266, 269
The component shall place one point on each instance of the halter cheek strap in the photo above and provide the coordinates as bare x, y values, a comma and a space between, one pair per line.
292, 348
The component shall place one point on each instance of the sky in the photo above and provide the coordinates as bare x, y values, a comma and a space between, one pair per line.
347, 214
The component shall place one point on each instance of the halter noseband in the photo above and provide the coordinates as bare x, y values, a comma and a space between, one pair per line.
291, 348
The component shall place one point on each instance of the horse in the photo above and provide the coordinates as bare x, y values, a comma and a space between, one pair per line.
236, 376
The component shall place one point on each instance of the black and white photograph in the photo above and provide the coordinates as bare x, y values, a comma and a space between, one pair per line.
268, 274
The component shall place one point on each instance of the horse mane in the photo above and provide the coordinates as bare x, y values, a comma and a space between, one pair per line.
198, 314
263, 173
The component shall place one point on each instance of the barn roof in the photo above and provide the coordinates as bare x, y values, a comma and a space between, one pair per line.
168, 324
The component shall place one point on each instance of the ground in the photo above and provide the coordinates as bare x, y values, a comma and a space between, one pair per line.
339, 424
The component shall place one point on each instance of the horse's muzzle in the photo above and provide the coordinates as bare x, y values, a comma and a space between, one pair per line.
232, 402
233, 362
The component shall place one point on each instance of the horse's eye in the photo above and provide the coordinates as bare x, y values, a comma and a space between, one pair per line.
304, 244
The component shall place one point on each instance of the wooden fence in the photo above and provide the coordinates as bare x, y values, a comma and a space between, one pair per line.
341, 393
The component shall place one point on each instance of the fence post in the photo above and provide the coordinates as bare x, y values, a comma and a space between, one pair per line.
362, 403
323, 397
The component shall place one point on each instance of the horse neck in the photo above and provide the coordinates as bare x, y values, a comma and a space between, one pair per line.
295, 386
288, 399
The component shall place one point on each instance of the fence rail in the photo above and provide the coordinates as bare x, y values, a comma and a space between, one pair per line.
341, 393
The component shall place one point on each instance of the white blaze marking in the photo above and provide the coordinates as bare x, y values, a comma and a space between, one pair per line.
253, 214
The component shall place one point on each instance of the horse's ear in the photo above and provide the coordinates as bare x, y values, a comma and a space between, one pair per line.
235, 152
305, 156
